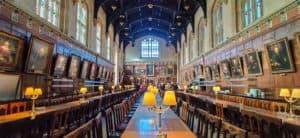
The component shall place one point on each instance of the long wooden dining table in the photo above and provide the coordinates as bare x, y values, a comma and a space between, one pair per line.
27, 114
283, 116
144, 124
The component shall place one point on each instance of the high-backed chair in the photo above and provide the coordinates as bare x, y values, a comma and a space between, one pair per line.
59, 123
184, 110
16, 107
3, 109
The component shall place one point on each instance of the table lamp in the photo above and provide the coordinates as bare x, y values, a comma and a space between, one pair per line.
112, 88
216, 89
154, 90
83, 91
120, 87
185, 88
284, 92
101, 88
168, 100
33, 94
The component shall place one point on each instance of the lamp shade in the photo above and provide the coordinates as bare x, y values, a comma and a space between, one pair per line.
154, 90
83, 90
216, 88
100, 88
169, 98
296, 93
149, 99
38, 91
285, 92
29, 91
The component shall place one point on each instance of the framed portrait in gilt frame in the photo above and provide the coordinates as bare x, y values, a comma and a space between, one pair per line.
100, 69
39, 56
150, 70
85, 69
225, 69
253, 63
236, 67
279, 56
74, 66
10, 48
93, 71
60, 65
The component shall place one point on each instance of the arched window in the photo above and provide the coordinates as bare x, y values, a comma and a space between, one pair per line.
218, 24
98, 39
186, 53
49, 10
150, 48
251, 11
81, 25
201, 36
108, 48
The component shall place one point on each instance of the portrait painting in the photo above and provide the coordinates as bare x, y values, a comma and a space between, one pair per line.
39, 56
74, 66
225, 70
215, 72
279, 56
60, 65
253, 63
93, 72
129, 69
170, 70
139, 71
150, 70
236, 67
208, 73
296, 48
10, 49
103, 72
100, 69
85, 69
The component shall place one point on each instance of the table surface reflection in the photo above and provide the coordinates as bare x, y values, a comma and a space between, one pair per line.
144, 124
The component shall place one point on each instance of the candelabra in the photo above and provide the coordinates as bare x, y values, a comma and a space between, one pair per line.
33, 94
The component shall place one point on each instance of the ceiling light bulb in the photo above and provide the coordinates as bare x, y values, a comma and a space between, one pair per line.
150, 5
113, 7
122, 16
186, 7
178, 17
179, 23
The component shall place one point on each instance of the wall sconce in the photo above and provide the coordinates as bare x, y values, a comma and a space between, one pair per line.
284, 92
33, 94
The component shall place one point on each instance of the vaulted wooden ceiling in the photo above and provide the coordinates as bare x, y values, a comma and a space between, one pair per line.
133, 19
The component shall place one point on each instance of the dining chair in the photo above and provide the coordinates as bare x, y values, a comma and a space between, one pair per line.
219, 110
202, 121
59, 123
270, 127
213, 126
231, 131
84, 131
250, 123
98, 126
184, 110
279, 107
17, 107
191, 117
3, 109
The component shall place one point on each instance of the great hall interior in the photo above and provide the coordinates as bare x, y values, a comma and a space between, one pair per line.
149, 68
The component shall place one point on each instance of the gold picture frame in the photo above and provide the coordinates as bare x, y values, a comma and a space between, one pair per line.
279, 56
39, 56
